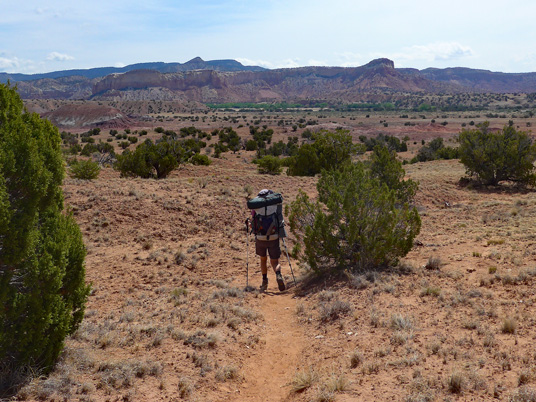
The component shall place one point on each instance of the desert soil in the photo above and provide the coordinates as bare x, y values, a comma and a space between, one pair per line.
168, 318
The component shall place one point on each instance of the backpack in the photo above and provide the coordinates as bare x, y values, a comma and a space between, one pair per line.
265, 221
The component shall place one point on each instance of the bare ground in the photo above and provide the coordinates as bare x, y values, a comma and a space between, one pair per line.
168, 319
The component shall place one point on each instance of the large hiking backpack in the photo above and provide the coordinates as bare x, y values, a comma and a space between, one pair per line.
265, 221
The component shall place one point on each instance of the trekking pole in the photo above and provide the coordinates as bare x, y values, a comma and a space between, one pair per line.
288, 258
247, 254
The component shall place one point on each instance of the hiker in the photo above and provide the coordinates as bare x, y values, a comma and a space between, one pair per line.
268, 226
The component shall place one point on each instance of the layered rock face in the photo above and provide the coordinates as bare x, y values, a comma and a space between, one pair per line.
88, 115
282, 84
229, 81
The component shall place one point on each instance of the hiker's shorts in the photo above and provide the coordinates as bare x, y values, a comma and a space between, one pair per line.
270, 246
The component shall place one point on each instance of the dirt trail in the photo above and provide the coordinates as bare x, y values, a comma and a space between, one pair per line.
269, 371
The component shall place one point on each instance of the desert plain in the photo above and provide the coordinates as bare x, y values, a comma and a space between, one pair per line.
168, 318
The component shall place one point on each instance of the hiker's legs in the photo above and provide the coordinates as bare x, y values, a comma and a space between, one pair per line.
278, 276
275, 265
264, 271
268, 248
271, 248
264, 265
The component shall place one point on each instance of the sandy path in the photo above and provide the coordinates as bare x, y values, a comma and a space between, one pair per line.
269, 371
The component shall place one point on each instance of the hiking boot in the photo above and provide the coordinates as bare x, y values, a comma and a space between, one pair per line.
280, 281
264, 285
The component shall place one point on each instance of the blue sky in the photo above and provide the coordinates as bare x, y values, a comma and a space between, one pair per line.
49, 35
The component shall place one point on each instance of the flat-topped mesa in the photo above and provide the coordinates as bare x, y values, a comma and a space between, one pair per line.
383, 62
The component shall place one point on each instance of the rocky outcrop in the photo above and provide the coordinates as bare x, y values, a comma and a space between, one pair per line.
280, 84
230, 81
195, 64
88, 115
62, 88
483, 80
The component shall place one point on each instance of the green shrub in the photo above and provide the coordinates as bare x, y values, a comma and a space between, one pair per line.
357, 223
88, 149
251, 145
42, 285
495, 157
434, 150
151, 160
269, 164
75, 149
391, 142
385, 167
330, 150
280, 148
198, 159
85, 170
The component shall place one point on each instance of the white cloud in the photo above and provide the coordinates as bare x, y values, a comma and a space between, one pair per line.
249, 62
350, 59
119, 64
17, 65
316, 63
287, 63
55, 56
433, 52
7, 64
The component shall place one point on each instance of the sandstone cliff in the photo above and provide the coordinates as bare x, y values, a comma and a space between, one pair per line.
230, 81
281, 84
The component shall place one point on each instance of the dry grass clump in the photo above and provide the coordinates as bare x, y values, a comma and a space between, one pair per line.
431, 291
200, 339
246, 314
420, 391
333, 310
179, 295
324, 395
121, 374
234, 323
62, 382
337, 383
356, 358
400, 338
211, 322
303, 380
327, 295
401, 323
509, 326
325, 389
372, 367
229, 292
227, 373
357, 282
200, 361
456, 382
42, 388
524, 377
523, 394
179, 257
185, 388
300, 309
375, 318
433, 263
